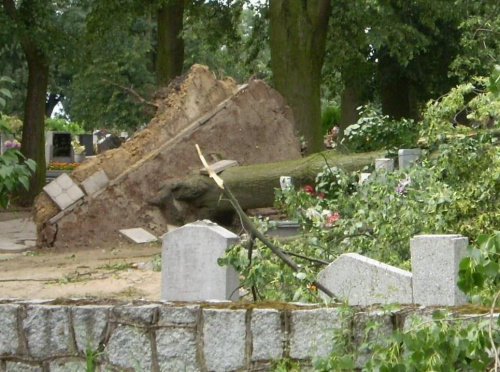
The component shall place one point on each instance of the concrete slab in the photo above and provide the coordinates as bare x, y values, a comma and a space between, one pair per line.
95, 183
138, 235
17, 235
64, 191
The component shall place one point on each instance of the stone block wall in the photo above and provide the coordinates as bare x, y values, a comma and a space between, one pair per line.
42, 336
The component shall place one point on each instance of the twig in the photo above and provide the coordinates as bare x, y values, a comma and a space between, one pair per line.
133, 92
251, 227
315, 260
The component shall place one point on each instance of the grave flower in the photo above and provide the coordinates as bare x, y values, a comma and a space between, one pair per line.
77, 147
401, 187
330, 218
14, 144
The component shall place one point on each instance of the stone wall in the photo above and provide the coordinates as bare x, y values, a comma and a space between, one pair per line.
161, 336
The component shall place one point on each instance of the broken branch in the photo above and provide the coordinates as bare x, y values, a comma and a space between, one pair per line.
133, 92
248, 224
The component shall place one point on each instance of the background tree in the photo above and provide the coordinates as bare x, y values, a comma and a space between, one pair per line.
29, 20
298, 32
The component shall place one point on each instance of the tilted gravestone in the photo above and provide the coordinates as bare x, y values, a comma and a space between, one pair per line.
364, 281
190, 271
435, 263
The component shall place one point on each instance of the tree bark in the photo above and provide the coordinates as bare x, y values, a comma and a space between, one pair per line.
33, 140
170, 58
394, 88
351, 99
198, 197
298, 32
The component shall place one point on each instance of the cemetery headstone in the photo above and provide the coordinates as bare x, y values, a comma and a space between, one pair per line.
384, 163
87, 140
190, 271
407, 157
364, 281
435, 262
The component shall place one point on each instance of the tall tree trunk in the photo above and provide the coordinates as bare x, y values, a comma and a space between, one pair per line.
170, 58
33, 141
351, 99
298, 32
394, 88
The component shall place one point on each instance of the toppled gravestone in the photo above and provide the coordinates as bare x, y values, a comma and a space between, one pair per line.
249, 124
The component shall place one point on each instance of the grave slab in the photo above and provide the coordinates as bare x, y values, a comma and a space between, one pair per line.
190, 271
138, 235
220, 166
63, 191
435, 262
384, 164
407, 157
364, 281
95, 183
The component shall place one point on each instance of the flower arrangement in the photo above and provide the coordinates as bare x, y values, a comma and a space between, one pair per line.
62, 166
78, 148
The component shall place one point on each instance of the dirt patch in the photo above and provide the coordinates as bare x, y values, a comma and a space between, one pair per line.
122, 271
249, 124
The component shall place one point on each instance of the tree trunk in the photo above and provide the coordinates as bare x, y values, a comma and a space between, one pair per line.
394, 88
198, 197
33, 141
298, 32
170, 58
351, 99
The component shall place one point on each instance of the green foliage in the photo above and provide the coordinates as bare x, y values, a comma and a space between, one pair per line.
374, 131
330, 118
15, 170
443, 343
63, 125
479, 274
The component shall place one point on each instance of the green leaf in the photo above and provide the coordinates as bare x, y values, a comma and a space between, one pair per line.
24, 181
6, 92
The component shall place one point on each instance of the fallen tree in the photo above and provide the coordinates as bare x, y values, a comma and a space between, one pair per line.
197, 197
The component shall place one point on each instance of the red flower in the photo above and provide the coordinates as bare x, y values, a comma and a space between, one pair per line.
309, 189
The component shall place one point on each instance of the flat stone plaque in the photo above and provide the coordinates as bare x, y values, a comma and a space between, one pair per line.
138, 235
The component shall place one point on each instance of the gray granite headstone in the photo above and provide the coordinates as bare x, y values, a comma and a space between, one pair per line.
189, 264
364, 281
435, 262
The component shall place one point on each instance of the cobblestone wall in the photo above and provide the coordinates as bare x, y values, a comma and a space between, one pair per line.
150, 336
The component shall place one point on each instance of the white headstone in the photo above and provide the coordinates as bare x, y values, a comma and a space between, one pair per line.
406, 157
435, 262
190, 271
364, 281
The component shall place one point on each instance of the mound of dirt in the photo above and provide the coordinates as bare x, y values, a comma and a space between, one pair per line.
249, 124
